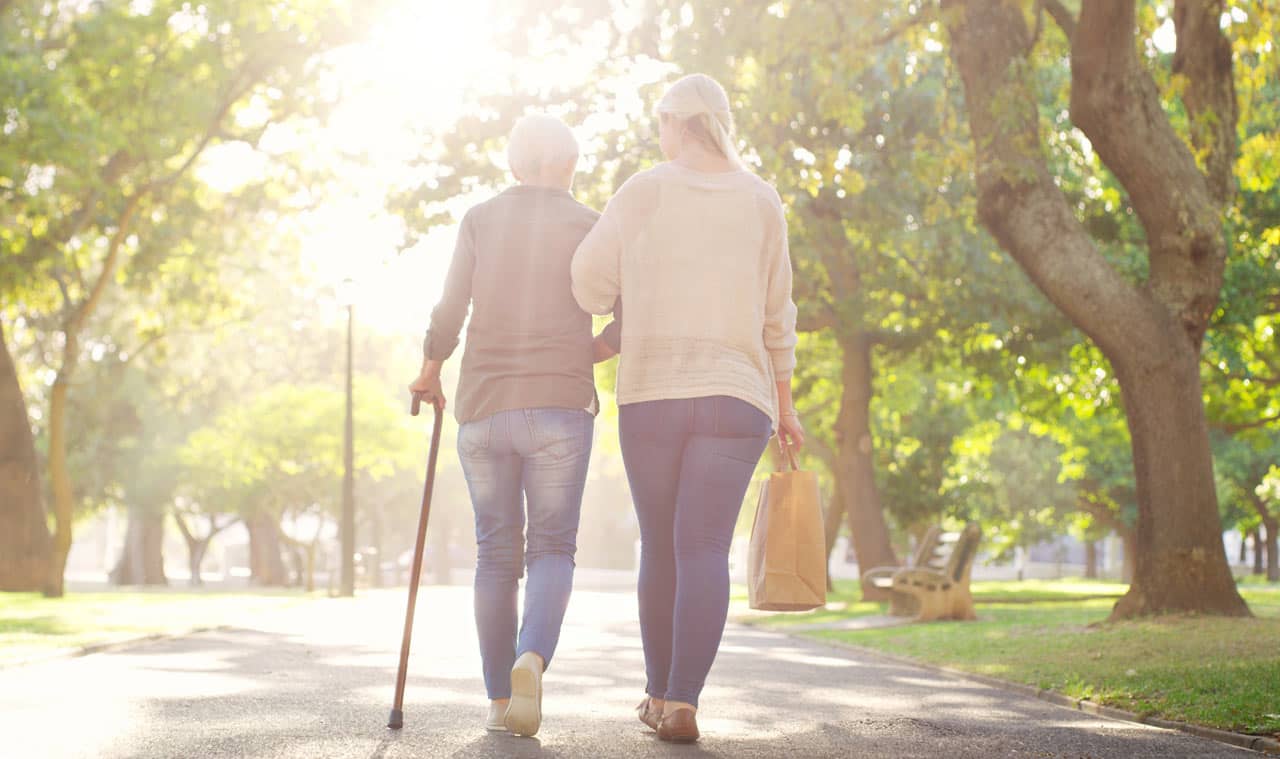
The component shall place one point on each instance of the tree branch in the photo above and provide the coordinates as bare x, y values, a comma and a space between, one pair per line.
1260, 506
1253, 425
1018, 200
896, 340
182, 526
1061, 16
1104, 516
1115, 102
72, 225
919, 19
1203, 56
77, 320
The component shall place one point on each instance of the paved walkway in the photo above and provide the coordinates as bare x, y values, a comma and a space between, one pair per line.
317, 682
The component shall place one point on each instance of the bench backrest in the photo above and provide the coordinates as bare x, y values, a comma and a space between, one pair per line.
927, 551
964, 550
944, 545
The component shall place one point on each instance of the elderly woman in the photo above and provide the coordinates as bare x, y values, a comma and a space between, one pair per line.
696, 249
526, 405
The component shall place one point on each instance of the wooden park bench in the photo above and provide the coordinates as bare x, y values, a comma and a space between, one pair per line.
930, 553
936, 585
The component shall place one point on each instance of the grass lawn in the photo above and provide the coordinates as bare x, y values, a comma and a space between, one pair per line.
1223, 673
31, 625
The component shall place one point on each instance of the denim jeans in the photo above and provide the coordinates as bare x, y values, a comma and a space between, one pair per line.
539, 455
689, 463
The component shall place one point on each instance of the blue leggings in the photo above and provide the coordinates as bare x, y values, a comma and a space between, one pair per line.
689, 463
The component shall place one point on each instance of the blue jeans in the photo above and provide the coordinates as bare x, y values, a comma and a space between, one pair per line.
538, 454
689, 463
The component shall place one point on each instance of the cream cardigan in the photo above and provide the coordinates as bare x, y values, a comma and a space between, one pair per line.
701, 263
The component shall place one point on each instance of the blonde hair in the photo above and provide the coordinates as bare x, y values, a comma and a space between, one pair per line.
701, 104
537, 141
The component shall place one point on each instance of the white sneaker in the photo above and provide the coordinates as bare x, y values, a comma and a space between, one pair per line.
497, 717
524, 715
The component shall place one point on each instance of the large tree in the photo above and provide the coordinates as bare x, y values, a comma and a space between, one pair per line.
1151, 330
111, 108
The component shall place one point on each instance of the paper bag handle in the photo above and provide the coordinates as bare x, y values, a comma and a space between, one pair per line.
791, 454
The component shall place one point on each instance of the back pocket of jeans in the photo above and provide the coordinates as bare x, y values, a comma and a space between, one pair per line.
560, 433
473, 437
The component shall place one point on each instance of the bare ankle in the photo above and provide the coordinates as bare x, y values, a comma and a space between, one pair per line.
675, 706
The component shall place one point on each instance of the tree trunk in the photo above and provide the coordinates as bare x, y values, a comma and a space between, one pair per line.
196, 549
310, 550
1273, 545
1091, 559
1244, 548
855, 466
1129, 563
375, 568
1181, 562
831, 518
59, 470
1271, 524
60, 478
266, 566
25, 547
198, 546
142, 559
1258, 563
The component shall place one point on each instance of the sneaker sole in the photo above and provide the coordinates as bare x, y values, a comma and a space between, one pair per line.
524, 715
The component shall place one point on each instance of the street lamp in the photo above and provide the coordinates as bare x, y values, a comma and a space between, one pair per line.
347, 530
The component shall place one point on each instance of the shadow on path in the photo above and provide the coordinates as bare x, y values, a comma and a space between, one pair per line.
320, 685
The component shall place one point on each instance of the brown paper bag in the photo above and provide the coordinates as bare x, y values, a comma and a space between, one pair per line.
787, 560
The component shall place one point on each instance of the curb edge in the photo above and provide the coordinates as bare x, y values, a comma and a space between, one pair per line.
1258, 743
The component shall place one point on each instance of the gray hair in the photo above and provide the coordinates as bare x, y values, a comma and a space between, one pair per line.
537, 141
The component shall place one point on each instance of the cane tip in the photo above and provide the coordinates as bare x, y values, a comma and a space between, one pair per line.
397, 719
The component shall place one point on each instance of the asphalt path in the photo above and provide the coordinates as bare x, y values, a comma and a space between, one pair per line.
316, 681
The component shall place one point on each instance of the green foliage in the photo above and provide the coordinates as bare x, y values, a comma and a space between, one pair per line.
281, 451
855, 114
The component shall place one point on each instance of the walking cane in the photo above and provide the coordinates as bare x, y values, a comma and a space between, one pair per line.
397, 709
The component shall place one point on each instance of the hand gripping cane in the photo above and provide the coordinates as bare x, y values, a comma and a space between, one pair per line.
397, 710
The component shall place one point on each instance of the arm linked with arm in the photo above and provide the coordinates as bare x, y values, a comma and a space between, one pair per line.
609, 341
596, 270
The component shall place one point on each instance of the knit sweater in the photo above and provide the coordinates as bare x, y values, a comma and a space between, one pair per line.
702, 264
528, 343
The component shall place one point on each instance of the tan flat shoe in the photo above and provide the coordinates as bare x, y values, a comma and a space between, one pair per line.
680, 726
496, 720
649, 715
524, 713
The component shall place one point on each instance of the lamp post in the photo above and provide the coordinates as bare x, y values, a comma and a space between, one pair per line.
347, 530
